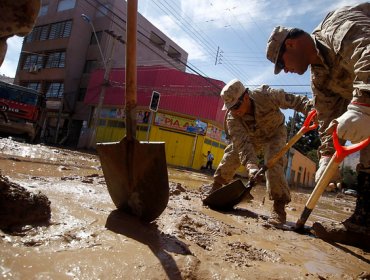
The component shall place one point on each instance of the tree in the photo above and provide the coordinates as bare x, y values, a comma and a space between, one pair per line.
309, 142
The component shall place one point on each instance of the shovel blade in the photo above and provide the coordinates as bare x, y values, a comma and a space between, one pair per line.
228, 196
136, 176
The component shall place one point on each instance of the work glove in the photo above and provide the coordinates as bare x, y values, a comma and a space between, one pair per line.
252, 169
353, 125
323, 163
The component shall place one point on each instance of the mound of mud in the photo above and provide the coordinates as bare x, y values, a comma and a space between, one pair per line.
19, 207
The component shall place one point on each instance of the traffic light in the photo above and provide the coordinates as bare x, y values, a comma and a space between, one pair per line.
154, 102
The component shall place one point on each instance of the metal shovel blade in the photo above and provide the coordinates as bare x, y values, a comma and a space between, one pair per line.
226, 197
136, 176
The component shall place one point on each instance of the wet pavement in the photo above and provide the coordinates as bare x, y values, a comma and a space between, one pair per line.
88, 239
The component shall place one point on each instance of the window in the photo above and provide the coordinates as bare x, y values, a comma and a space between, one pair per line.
157, 41
43, 10
44, 32
99, 34
60, 29
38, 33
103, 10
56, 60
90, 65
66, 5
173, 53
54, 89
32, 60
34, 85
48, 32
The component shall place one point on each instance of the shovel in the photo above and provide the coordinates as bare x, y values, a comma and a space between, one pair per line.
228, 196
135, 172
340, 153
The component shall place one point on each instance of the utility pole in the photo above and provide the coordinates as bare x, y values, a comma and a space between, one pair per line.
97, 111
290, 154
105, 84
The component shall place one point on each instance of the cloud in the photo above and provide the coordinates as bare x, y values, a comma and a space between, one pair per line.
9, 66
219, 13
172, 28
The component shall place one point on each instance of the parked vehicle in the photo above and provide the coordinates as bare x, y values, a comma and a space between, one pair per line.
22, 111
350, 192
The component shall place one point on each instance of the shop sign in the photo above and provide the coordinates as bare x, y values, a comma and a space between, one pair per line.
173, 122
214, 132
199, 127
142, 116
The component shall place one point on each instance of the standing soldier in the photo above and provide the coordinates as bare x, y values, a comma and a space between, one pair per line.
338, 51
255, 122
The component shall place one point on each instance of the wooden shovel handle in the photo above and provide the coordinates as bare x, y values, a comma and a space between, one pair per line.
340, 153
131, 75
307, 126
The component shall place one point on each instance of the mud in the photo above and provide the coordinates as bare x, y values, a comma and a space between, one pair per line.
19, 207
87, 238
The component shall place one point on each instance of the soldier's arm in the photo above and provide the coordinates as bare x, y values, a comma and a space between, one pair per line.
286, 100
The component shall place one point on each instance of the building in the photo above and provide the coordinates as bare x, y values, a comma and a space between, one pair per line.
71, 38
189, 118
303, 170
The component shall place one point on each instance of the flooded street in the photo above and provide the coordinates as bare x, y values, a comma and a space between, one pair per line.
88, 239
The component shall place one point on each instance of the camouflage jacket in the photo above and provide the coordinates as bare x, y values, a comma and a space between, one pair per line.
343, 43
250, 132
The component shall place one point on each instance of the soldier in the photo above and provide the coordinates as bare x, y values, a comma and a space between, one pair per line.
255, 122
17, 18
338, 52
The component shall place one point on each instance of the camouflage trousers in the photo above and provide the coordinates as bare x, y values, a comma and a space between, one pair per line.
277, 185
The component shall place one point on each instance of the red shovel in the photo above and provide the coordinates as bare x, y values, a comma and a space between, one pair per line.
340, 153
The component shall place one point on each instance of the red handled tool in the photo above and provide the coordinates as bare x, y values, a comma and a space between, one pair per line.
340, 153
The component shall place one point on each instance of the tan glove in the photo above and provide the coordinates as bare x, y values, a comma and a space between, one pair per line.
353, 125
323, 163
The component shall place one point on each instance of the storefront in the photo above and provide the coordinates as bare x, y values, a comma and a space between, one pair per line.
187, 139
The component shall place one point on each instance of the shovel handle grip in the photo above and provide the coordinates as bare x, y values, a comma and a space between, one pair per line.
342, 151
307, 126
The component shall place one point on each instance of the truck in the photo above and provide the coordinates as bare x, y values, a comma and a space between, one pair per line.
22, 111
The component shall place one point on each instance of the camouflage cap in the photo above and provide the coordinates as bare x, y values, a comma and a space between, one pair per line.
231, 92
276, 40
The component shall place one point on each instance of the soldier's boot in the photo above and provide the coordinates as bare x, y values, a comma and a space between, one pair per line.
356, 229
278, 214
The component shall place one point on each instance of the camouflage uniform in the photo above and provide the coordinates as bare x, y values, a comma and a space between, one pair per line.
343, 43
264, 130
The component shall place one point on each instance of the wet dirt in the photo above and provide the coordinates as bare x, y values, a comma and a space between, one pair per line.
88, 239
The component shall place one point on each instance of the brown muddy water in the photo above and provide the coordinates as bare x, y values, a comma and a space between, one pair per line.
88, 239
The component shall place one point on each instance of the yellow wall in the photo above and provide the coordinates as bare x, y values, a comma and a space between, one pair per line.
303, 170
182, 148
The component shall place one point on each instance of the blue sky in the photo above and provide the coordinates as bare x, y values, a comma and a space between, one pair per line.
239, 29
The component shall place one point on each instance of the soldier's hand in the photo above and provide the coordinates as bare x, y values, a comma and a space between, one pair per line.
252, 169
353, 125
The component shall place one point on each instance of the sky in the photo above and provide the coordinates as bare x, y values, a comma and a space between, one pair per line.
225, 39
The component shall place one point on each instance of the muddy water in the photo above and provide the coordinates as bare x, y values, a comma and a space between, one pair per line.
88, 239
